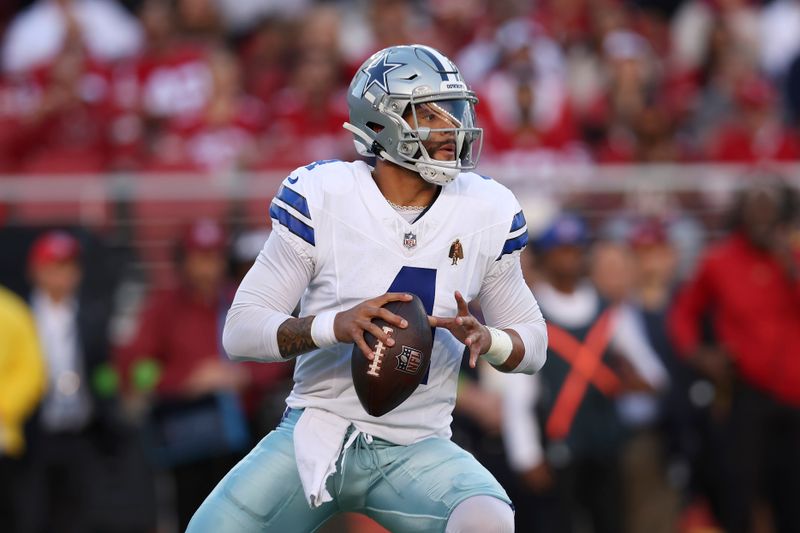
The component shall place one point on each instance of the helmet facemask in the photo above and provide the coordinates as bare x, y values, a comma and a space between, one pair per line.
446, 124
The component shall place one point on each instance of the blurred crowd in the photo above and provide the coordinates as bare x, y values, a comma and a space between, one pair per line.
220, 85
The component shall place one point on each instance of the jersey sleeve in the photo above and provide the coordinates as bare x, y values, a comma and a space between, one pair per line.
517, 237
264, 300
292, 213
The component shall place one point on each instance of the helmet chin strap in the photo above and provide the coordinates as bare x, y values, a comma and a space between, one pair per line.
438, 174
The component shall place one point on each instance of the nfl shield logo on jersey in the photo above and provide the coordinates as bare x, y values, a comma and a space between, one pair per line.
409, 240
409, 360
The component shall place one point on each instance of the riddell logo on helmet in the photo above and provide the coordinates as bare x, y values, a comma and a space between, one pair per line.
453, 86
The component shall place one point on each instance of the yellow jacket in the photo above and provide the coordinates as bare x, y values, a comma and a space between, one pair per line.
22, 372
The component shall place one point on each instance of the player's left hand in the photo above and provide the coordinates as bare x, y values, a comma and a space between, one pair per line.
466, 328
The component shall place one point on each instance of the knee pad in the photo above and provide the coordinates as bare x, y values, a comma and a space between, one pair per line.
481, 514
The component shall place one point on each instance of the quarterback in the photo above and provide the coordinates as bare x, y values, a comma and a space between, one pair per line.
347, 239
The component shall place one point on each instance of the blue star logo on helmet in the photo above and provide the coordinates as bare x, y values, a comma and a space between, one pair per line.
377, 71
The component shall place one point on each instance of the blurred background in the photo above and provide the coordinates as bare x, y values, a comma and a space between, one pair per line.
653, 145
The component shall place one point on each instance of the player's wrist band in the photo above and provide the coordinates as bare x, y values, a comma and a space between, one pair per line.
322, 332
500, 349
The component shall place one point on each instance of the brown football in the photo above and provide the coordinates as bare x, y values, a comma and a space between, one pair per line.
389, 379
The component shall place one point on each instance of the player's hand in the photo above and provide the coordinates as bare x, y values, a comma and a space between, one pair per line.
466, 328
715, 364
539, 478
350, 325
629, 378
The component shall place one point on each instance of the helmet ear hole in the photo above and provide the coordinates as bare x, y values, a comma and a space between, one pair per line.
374, 126
407, 148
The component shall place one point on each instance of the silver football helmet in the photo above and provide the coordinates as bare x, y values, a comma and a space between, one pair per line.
403, 96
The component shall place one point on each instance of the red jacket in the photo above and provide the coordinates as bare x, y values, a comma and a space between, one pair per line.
755, 308
180, 332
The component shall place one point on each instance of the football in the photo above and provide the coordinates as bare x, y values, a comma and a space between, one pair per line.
396, 371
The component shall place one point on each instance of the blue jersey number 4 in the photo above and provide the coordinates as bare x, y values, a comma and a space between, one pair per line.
419, 281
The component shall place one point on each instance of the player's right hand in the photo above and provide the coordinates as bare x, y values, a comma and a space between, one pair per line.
350, 325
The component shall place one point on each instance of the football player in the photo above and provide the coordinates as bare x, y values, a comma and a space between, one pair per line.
348, 238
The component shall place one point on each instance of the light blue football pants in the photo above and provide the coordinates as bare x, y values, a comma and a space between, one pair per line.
404, 488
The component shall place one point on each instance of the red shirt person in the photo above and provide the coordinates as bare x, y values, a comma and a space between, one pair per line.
749, 285
756, 133
179, 328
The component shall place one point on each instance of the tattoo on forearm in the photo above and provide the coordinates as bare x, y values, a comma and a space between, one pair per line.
294, 337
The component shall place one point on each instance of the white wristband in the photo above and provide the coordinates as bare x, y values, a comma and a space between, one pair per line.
501, 347
322, 332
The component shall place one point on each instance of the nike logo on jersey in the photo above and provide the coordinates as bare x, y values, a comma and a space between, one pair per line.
292, 180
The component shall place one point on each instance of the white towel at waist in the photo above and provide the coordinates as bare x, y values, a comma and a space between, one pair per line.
318, 442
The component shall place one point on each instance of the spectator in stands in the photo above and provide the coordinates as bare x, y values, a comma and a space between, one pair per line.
200, 20
457, 22
308, 115
756, 132
242, 16
747, 284
651, 504
171, 76
684, 415
178, 345
76, 413
20, 96
596, 352
224, 135
162, 95
22, 379
68, 130
632, 83
266, 58
480, 57
379, 24
656, 138
39, 33
584, 30
527, 109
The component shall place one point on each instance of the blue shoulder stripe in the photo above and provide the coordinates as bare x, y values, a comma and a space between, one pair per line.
292, 223
294, 199
518, 222
512, 245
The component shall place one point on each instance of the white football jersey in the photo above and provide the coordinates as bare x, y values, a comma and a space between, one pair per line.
333, 214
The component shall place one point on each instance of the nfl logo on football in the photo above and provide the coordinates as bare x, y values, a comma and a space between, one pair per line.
409, 360
409, 240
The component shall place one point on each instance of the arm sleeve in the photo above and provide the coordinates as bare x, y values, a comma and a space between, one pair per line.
630, 340
265, 299
521, 435
507, 303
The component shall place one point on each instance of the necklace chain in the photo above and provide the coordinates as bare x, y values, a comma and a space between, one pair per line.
412, 208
